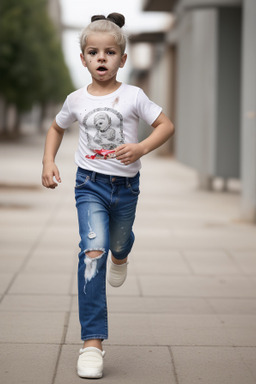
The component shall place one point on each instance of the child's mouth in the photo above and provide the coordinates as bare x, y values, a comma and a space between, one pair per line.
102, 69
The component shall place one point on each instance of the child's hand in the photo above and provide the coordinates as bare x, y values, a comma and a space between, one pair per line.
50, 172
129, 153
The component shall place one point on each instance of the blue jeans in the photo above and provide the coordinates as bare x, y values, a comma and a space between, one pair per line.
106, 207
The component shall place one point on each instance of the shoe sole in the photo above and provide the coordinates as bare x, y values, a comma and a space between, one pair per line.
116, 285
90, 375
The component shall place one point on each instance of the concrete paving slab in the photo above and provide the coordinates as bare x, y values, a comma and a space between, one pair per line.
5, 280
130, 288
158, 305
19, 201
61, 237
211, 262
73, 335
205, 294
147, 305
214, 365
241, 337
7, 243
35, 303
153, 233
151, 329
140, 255
241, 321
130, 329
137, 330
33, 216
196, 239
246, 259
55, 247
28, 363
44, 283
248, 357
189, 330
66, 217
55, 254
74, 286
164, 264
21, 233
234, 306
74, 303
11, 248
62, 262
241, 329
198, 286
10, 262
124, 365
32, 327
252, 279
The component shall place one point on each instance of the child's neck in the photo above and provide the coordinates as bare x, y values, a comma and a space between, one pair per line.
103, 88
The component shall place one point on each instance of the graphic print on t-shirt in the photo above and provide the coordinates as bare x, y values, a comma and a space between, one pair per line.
103, 129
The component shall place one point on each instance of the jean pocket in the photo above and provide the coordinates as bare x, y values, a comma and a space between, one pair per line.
134, 188
81, 180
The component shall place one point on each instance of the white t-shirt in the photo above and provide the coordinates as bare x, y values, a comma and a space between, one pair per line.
105, 123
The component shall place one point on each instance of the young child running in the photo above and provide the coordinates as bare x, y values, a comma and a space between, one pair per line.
107, 179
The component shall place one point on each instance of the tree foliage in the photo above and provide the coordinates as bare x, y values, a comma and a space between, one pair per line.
32, 67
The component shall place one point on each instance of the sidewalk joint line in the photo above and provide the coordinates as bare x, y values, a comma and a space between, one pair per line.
173, 365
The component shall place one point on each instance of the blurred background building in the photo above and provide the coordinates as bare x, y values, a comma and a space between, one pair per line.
203, 71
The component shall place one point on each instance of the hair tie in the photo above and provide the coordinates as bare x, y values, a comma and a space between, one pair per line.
115, 18
97, 17
111, 19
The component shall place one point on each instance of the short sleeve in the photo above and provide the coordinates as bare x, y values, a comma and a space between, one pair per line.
65, 118
147, 109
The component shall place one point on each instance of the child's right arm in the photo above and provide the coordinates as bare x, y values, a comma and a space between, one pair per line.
52, 144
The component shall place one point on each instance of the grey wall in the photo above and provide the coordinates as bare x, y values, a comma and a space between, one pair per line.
248, 145
196, 89
209, 78
228, 93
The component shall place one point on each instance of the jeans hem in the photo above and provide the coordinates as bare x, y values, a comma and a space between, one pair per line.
121, 257
100, 337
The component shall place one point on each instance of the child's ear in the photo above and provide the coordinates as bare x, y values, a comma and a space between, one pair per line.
123, 60
83, 60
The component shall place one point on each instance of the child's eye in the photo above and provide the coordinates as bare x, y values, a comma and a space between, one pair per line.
111, 53
92, 53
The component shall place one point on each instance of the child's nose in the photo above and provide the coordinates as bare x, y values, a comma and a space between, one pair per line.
102, 56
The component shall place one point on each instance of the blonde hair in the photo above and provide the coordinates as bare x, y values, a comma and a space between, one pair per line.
111, 24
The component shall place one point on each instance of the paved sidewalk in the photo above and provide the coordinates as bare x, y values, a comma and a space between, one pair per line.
187, 313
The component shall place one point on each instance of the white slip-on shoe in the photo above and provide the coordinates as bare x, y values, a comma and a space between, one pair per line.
116, 273
90, 363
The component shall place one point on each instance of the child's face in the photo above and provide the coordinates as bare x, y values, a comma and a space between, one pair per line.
102, 56
102, 122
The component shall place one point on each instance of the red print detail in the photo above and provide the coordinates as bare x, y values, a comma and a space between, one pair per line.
101, 154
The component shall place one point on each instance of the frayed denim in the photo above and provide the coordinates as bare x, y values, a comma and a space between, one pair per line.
106, 207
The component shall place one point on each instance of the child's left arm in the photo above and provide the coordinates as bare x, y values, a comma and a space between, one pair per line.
163, 130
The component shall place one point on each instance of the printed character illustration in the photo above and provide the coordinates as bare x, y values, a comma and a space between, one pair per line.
105, 135
104, 131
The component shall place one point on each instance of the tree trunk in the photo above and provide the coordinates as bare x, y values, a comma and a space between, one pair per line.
17, 123
3, 117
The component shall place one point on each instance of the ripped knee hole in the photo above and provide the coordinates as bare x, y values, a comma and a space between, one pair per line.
92, 254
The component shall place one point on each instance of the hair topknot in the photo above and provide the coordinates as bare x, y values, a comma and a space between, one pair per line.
115, 17
112, 24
